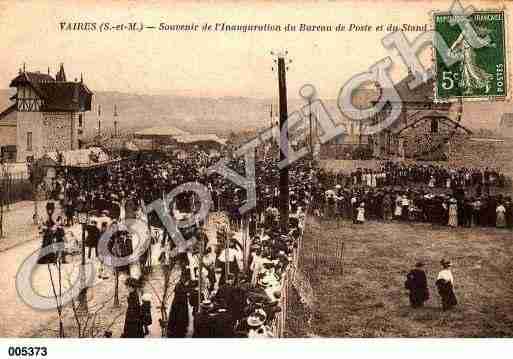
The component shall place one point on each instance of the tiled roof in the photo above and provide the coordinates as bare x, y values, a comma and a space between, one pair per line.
422, 93
31, 77
7, 111
66, 96
57, 96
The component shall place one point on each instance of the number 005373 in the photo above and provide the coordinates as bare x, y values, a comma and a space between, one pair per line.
27, 352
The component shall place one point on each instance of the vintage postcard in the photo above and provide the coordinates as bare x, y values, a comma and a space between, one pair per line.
318, 169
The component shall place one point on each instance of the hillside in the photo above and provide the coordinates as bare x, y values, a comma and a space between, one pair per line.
222, 115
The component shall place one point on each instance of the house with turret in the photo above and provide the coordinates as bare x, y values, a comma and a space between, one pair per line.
47, 115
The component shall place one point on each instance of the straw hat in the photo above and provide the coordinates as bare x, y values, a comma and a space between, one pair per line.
254, 321
207, 305
445, 263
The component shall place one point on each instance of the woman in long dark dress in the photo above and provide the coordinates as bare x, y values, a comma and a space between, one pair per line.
134, 318
416, 283
178, 320
48, 234
48, 231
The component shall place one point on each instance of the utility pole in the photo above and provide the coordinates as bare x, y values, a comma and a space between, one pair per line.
284, 145
115, 121
2, 210
310, 124
271, 116
99, 120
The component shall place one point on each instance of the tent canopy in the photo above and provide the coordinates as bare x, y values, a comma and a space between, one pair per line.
193, 139
168, 131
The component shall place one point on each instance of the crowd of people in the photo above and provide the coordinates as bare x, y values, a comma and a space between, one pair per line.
419, 193
416, 205
230, 284
433, 176
240, 290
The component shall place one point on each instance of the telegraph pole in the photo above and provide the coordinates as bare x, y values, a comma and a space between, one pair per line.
115, 121
99, 120
271, 116
284, 145
310, 124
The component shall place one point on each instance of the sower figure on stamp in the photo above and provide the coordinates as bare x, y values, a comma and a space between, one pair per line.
472, 76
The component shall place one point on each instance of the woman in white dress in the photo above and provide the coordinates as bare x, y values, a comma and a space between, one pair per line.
445, 285
431, 182
398, 211
360, 217
453, 213
501, 216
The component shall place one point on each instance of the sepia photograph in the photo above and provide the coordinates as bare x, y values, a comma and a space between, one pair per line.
263, 170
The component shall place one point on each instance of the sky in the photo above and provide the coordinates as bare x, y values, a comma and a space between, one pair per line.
214, 64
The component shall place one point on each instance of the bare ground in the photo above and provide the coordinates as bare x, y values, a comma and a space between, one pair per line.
364, 295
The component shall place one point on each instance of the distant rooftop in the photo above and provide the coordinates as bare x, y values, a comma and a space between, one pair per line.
187, 139
161, 131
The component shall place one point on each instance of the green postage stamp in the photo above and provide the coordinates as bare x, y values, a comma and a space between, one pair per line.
475, 65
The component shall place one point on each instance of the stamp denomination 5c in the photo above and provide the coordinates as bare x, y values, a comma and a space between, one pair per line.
474, 66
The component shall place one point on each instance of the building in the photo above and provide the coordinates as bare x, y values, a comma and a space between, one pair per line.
157, 138
205, 142
8, 134
423, 130
48, 114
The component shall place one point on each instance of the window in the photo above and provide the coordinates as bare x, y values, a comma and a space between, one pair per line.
29, 141
434, 125
80, 120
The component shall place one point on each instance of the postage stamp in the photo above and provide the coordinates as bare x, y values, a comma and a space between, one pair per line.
472, 68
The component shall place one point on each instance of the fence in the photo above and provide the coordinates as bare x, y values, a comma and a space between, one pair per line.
323, 256
288, 279
15, 186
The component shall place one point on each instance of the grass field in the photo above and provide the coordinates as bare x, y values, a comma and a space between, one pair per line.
365, 296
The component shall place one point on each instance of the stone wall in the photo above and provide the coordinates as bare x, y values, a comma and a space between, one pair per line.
462, 151
58, 131
51, 131
481, 153
8, 129
29, 122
